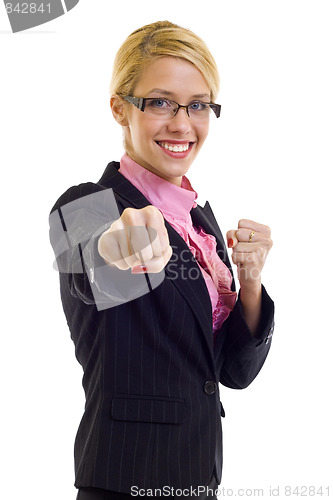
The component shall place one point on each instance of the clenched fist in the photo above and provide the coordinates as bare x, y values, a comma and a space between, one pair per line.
250, 245
137, 240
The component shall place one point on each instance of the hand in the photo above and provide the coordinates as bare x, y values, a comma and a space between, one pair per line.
250, 245
137, 240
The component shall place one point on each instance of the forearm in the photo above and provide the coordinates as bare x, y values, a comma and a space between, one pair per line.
250, 297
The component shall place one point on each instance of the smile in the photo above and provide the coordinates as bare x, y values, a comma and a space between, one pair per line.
175, 148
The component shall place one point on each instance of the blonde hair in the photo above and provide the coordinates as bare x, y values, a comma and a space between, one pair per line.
157, 40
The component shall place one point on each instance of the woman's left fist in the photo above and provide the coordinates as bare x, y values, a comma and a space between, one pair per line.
250, 245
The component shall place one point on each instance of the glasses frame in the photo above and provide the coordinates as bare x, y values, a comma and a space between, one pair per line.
140, 103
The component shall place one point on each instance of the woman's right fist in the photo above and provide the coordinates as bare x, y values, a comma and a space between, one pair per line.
137, 240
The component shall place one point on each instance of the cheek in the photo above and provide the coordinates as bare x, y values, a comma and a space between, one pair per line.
143, 129
202, 132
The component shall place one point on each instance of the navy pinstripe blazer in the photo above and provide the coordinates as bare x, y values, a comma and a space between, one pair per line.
151, 373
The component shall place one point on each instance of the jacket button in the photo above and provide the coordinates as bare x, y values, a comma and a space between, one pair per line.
210, 387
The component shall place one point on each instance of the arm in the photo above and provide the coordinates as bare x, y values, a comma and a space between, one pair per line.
96, 273
251, 243
246, 334
251, 302
77, 220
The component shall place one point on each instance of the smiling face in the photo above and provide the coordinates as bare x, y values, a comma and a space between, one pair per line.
165, 146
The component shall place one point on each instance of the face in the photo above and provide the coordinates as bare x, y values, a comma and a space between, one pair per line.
149, 138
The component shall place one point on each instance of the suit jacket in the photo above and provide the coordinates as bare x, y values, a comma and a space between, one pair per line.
151, 372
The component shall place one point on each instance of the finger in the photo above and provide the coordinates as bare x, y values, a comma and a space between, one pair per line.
232, 238
258, 247
110, 247
145, 242
251, 236
155, 241
140, 242
255, 226
155, 220
248, 235
243, 257
154, 265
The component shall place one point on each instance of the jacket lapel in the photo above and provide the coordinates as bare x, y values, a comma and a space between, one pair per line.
186, 275
204, 217
182, 269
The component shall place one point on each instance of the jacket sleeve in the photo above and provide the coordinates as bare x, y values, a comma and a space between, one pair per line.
242, 355
77, 220
239, 355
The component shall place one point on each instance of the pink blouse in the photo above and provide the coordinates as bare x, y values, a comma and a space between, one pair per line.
175, 203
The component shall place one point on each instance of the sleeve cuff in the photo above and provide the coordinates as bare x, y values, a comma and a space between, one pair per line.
244, 338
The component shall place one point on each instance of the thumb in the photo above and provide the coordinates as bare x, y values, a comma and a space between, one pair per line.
231, 238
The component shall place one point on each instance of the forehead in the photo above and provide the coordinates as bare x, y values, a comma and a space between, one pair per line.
173, 75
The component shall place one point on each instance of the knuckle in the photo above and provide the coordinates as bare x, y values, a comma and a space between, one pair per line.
246, 223
128, 217
267, 230
105, 243
128, 212
117, 224
152, 217
267, 243
152, 211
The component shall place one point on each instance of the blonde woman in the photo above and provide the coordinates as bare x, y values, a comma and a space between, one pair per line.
147, 286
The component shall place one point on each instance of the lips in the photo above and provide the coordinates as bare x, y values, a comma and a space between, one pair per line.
178, 149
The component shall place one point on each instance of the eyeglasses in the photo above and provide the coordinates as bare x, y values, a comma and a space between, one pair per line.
166, 108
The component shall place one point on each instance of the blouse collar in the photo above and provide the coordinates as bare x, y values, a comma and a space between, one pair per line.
172, 200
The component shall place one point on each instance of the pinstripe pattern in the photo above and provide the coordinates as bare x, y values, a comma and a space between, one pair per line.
148, 419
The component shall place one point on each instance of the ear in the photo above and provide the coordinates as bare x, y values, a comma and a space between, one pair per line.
119, 109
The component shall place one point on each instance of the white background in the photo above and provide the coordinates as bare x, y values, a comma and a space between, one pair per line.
268, 158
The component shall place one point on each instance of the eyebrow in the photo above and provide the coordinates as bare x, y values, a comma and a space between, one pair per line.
168, 93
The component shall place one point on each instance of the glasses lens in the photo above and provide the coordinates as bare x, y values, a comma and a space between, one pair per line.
162, 107
199, 110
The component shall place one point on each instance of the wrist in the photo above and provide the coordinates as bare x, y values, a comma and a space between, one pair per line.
250, 297
251, 287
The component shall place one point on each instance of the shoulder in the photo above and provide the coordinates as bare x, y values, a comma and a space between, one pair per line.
76, 192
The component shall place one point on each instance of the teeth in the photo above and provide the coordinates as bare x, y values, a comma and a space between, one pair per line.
180, 148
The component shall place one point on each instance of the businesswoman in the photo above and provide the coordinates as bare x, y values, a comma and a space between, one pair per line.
147, 286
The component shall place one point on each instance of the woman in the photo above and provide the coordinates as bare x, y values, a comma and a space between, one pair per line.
147, 288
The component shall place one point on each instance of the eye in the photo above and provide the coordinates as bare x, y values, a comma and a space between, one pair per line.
159, 103
199, 106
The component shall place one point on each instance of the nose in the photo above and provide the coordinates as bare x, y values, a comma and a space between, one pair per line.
181, 122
